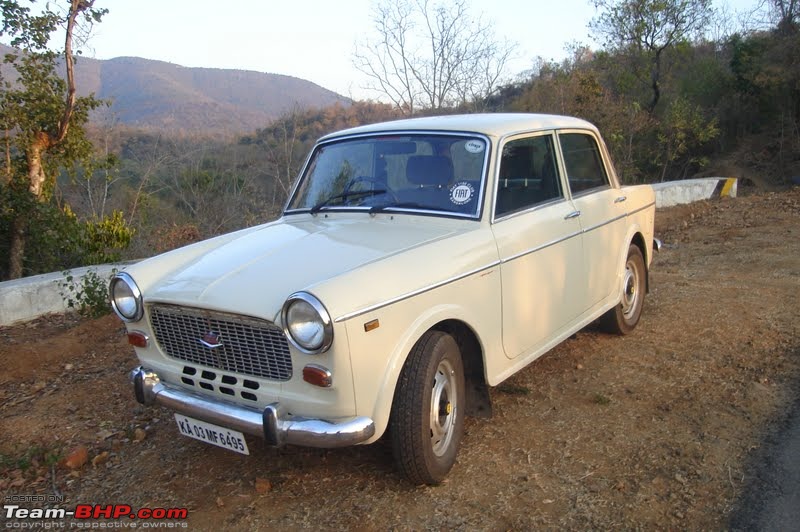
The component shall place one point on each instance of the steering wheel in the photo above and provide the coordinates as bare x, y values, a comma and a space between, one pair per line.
376, 184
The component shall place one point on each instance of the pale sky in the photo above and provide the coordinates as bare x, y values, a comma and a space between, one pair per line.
315, 39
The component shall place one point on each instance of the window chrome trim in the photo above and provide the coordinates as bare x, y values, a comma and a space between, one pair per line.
611, 178
495, 178
476, 215
390, 210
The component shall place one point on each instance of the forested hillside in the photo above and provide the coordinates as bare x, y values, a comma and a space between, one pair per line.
175, 100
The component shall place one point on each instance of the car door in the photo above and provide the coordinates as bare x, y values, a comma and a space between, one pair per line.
601, 212
539, 244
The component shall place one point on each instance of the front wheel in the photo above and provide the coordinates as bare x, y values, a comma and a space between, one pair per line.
623, 318
427, 419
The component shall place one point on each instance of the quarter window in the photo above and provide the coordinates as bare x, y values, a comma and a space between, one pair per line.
528, 175
585, 169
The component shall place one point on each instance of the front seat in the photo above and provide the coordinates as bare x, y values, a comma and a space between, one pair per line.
430, 175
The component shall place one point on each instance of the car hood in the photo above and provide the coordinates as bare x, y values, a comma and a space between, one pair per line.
253, 271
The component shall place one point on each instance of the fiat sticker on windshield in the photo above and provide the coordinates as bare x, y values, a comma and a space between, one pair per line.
461, 193
474, 146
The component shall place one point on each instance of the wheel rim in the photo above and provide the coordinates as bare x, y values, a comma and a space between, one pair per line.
630, 290
444, 407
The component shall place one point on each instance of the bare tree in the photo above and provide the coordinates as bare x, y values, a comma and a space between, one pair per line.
785, 14
284, 155
151, 164
432, 55
649, 27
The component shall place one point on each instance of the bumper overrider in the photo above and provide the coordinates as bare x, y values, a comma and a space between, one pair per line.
271, 424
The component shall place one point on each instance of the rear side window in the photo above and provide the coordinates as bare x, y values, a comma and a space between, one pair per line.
584, 165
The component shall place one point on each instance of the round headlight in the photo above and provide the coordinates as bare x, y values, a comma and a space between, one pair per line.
126, 299
307, 323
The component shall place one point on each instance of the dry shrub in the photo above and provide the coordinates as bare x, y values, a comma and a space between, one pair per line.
175, 236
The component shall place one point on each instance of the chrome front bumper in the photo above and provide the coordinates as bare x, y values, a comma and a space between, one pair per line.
272, 424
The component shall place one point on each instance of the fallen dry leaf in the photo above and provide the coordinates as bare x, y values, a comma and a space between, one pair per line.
100, 459
77, 458
263, 486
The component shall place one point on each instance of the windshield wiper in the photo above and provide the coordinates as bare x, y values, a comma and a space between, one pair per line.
406, 205
343, 196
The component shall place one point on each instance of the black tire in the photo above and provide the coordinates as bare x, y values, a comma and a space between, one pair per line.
623, 318
427, 419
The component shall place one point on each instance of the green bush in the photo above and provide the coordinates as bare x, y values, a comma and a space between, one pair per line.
87, 294
56, 238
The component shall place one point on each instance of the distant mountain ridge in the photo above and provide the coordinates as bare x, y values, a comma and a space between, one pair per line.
156, 95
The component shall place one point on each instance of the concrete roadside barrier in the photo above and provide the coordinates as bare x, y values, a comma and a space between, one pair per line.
30, 297
672, 193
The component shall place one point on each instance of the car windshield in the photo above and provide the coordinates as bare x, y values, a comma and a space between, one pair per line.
429, 173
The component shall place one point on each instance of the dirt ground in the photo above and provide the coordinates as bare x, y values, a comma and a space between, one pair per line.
654, 430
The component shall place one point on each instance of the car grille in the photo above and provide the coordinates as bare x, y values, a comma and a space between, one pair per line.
246, 345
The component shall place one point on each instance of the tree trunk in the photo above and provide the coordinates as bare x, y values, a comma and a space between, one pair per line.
16, 252
7, 177
655, 78
36, 175
36, 183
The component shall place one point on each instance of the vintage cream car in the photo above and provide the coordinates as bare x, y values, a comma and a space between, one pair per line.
417, 263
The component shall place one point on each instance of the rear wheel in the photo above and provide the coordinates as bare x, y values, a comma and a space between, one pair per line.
623, 318
427, 419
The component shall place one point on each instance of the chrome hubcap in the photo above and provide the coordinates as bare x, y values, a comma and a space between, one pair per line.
630, 290
444, 407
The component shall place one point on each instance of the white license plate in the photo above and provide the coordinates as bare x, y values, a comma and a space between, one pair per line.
220, 436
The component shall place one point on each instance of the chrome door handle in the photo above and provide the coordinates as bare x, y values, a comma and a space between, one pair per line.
573, 214
620, 199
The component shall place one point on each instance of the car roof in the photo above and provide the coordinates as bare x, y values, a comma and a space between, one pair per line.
490, 124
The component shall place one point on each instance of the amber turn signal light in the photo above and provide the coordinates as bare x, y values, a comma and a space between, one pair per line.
318, 376
138, 339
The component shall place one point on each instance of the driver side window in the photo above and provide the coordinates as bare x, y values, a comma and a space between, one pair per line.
528, 175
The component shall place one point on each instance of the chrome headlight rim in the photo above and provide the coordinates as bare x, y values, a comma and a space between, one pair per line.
122, 277
324, 318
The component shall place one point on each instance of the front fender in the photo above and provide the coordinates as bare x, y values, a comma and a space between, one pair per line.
378, 355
